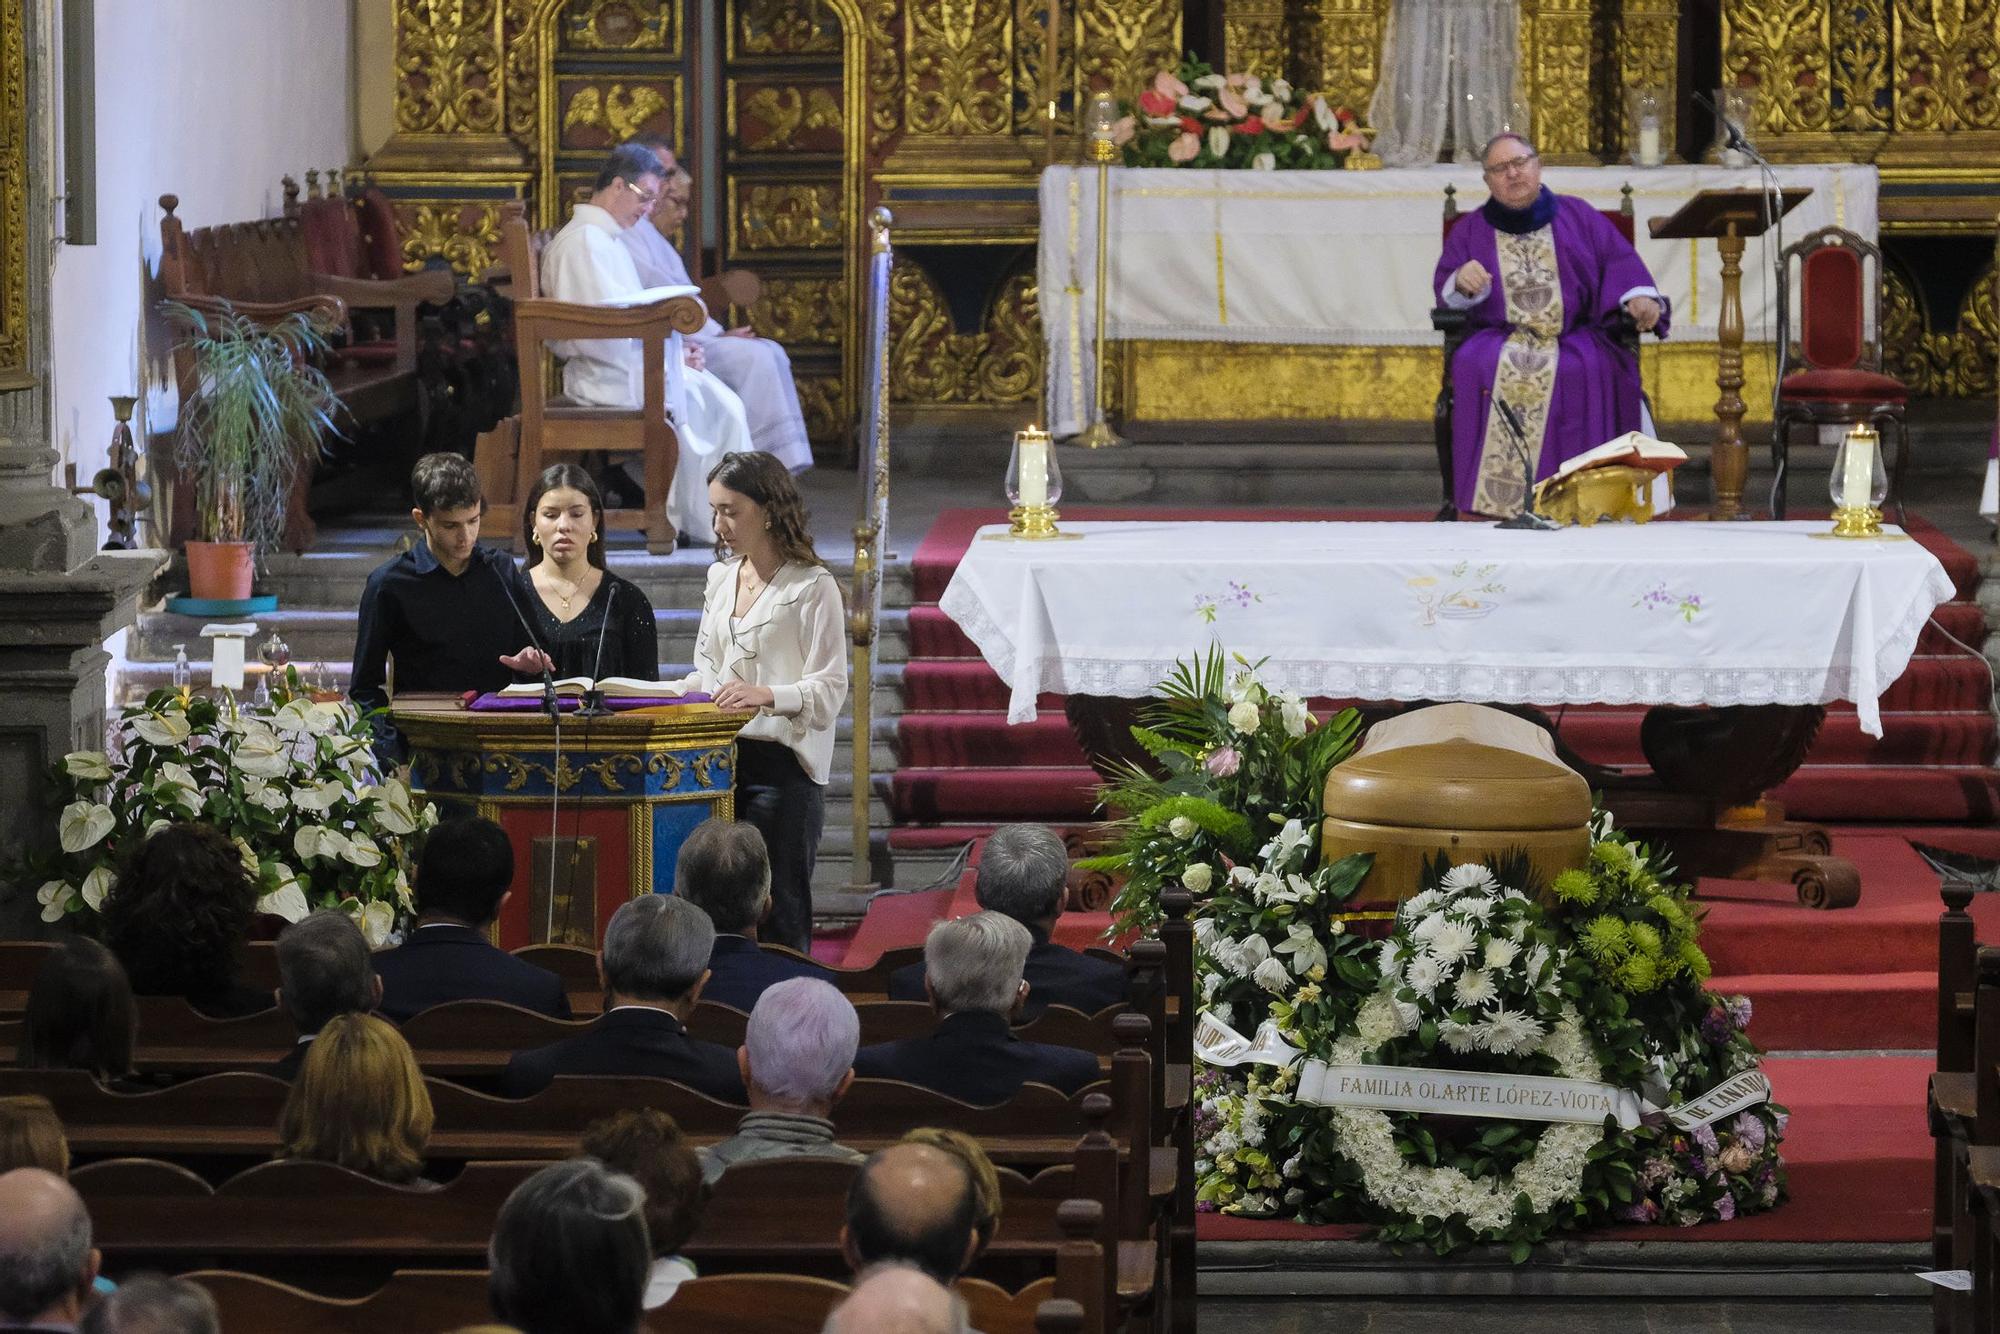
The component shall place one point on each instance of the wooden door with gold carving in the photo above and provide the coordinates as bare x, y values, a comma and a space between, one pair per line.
791, 123
612, 70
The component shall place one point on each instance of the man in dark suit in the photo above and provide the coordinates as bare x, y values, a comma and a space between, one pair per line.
725, 871
972, 971
653, 964
462, 880
323, 972
1022, 872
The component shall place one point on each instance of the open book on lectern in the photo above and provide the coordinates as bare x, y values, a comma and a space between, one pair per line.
614, 687
1630, 450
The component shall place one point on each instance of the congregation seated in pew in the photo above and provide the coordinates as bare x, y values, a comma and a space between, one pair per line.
912, 1204
359, 1102
323, 972
973, 972
797, 1060
986, 1194
898, 1297
462, 879
1023, 874
48, 1266
31, 1135
177, 917
654, 963
570, 1253
153, 1304
80, 1015
724, 869
648, 1146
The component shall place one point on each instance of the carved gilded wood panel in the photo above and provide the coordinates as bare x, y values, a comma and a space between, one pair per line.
14, 369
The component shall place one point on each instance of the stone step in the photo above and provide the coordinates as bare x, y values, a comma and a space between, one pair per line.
317, 634
336, 576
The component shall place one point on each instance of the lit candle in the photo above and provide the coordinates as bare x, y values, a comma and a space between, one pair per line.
1649, 143
1857, 478
1033, 448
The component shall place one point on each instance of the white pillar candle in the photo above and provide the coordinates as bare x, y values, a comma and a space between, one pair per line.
226, 671
1857, 478
1649, 145
1034, 477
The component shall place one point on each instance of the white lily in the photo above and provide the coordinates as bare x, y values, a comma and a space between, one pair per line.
1291, 709
1304, 947
83, 824
1286, 843
88, 765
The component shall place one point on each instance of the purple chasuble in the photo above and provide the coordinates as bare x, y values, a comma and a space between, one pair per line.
1596, 393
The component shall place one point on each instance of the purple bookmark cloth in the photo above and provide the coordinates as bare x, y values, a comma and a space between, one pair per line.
493, 703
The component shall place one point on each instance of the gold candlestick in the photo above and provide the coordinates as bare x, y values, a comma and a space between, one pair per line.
1103, 114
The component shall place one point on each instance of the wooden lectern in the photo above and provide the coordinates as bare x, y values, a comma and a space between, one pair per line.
1731, 217
593, 825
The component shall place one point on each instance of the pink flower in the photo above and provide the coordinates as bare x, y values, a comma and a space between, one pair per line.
1346, 142
1237, 80
1166, 85
1224, 762
1123, 129
1232, 101
1184, 148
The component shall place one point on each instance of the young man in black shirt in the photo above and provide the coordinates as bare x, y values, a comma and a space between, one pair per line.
444, 609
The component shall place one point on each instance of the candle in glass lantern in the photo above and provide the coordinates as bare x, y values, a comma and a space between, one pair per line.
1857, 479
1033, 448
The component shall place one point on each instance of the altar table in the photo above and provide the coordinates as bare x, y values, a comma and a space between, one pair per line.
1665, 613
1328, 258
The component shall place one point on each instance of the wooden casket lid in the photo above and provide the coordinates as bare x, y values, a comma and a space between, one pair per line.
1458, 766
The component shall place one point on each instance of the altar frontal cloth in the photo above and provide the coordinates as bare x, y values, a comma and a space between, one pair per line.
1662, 613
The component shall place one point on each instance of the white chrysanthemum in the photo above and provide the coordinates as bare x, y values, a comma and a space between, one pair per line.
1204, 931
1459, 1037
1422, 975
1537, 959
1273, 976
1470, 876
1478, 907
1510, 1033
1418, 904
1499, 953
1474, 987
1390, 957
1426, 931
1452, 941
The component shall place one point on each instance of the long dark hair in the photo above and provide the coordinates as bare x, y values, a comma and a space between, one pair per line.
554, 478
180, 912
760, 477
80, 1014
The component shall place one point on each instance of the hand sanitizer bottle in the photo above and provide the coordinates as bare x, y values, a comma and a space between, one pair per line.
183, 674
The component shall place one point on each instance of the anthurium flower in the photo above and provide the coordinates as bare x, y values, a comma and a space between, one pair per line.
83, 824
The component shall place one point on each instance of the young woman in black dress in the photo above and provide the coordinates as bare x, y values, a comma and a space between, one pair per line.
575, 603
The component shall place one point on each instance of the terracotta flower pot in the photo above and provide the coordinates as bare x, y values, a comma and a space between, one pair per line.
220, 571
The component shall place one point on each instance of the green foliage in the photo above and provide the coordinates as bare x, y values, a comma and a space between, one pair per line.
254, 418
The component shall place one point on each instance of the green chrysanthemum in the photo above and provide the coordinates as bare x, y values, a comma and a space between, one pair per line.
1638, 973
1614, 855
1604, 940
1670, 913
1645, 939
1576, 887
1695, 961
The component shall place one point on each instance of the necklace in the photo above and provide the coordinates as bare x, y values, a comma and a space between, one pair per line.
575, 587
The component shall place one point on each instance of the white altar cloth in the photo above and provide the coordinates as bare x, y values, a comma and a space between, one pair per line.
1663, 613
1345, 257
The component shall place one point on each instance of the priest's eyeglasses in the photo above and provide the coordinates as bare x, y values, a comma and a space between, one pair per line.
1511, 165
645, 196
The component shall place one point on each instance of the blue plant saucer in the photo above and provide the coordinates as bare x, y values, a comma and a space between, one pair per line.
211, 608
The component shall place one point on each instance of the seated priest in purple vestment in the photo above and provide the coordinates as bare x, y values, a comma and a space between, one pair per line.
1542, 278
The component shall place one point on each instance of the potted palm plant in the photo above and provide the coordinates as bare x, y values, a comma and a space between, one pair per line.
251, 417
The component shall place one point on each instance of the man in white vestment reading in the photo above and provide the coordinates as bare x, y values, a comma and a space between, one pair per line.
585, 263
756, 368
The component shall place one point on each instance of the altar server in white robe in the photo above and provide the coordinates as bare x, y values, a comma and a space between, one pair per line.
586, 263
756, 368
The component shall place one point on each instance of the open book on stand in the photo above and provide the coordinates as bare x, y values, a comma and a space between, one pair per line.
614, 687
1630, 450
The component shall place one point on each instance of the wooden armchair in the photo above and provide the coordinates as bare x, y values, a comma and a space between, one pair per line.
1451, 323
551, 423
339, 265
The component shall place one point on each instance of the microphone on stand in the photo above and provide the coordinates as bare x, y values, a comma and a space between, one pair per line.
593, 698
1527, 520
549, 704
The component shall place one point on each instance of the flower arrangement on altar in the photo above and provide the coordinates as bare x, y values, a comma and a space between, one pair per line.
292, 786
1592, 983
1194, 117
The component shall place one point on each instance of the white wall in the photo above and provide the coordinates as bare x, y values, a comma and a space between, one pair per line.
210, 100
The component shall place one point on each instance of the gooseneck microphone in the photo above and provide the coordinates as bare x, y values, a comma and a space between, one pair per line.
549, 704
1527, 519
593, 698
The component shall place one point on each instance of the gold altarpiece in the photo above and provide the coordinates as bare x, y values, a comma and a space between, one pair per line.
941, 109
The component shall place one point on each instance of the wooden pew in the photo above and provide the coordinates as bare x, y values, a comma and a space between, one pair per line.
412, 1302
1952, 1096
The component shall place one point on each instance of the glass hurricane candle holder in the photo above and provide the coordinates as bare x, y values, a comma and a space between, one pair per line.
1647, 121
1100, 122
1034, 484
1739, 108
1859, 484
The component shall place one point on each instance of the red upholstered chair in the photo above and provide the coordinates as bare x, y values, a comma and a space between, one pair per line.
1451, 323
1838, 340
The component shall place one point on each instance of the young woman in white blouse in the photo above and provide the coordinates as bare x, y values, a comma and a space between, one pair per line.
773, 638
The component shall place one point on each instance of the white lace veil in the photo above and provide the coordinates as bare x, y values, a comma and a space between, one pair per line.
1448, 66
